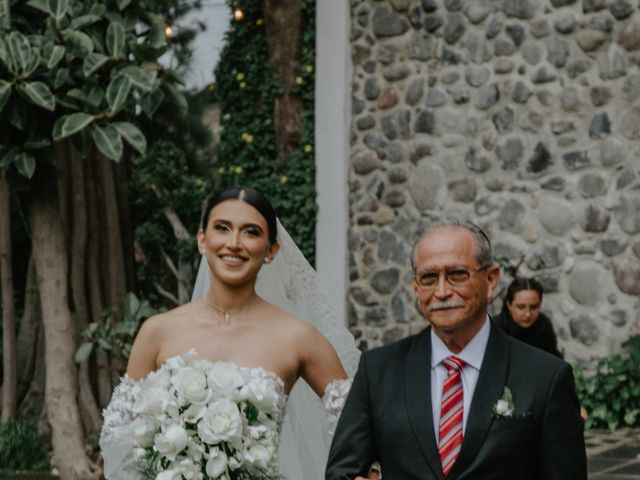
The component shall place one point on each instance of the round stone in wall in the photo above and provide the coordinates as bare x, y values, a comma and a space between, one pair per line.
385, 281
627, 276
476, 75
365, 162
584, 329
540, 160
566, 23
612, 152
463, 190
586, 282
521, 93
631, 87
595, 219
414, 92
576, 160
612, 63
454, 28
612, 246
510, 152
427, 186
630, 123
600, 125
627, 213
556, 215
592, 184
477, 11
522, 9
376, 316
476, 161
546, 255
387, 23
393, 335
392, 249
512, 216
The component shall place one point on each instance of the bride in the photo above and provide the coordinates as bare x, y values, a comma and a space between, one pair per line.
230, 320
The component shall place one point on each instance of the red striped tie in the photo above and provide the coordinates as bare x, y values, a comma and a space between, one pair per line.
451, 411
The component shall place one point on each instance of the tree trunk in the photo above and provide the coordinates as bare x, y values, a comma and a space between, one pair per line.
88, 406
30, 327
127, 238
97, 294
283, 27
9, 357
61, 387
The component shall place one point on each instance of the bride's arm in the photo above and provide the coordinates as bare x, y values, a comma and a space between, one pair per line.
320, 365
146, 346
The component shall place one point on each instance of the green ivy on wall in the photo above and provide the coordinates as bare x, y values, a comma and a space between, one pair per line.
245, 91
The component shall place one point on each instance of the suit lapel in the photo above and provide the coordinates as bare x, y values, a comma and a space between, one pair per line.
491, 381
417, 389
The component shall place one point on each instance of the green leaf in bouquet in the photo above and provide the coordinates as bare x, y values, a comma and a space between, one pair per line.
26, 164
39, 94
251, 412
108, 141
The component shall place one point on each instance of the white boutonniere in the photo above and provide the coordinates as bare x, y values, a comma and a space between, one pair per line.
504, 406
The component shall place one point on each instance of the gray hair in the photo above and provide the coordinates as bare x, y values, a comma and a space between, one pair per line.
484, 251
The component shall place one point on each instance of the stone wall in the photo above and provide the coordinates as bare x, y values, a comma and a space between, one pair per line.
522, 115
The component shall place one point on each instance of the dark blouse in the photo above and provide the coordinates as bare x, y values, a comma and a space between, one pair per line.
540, 335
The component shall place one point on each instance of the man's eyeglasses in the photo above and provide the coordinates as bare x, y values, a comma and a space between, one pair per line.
454, 276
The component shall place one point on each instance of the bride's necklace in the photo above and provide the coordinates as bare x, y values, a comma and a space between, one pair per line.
226, 315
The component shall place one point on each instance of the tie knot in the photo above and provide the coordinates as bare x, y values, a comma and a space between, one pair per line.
453, 364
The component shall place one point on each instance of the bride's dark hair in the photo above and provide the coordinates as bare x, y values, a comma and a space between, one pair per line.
253, 197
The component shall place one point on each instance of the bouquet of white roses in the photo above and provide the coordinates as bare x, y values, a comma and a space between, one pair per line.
203, 420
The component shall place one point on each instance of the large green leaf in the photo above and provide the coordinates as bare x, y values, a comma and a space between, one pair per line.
96, 94
19, 52
83, 21
5, 92
57, 53
92, 63
115, 39
34, 64
58, 8
83, 352
4, 53
117, 92
142, 79
82, 142
98, 9
39, 94
156, 37
9, 157
34, 143
108, 141
77, 94
151, 101
16, 114
26, 164
5, 15
132, 135
122, 4
62, 75
70, 124
78, 44
41, 5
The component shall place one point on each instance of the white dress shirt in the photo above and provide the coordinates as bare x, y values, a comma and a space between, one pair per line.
472, 355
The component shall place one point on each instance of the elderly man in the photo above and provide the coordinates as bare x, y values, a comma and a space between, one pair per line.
460, 400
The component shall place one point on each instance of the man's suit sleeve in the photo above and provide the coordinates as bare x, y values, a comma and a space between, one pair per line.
353, 447
562, 453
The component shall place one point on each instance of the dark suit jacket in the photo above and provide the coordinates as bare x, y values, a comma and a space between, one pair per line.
387, 417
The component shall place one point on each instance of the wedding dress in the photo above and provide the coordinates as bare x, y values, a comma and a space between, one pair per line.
304, 421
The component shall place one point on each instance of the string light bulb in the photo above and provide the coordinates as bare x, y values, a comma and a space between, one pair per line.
238, 15
168, 31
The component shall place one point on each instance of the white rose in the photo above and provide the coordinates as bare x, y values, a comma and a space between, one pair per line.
169, 475
191, 385
217, 463
195, 449
502, 407
258, 455
194, 413
172, 441
260, 392
224, 379
188, 469
221, 422
256, 431
153, 401
144, 433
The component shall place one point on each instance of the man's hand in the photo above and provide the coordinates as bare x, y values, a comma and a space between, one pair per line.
374, 474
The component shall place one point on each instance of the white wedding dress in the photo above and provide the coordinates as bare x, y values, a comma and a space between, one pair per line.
305, 421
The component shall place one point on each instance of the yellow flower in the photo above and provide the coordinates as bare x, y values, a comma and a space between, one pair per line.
237, 170
259, 22
221, 170
308, 68
308, 149
283, 179
247, 137
299, 81
240, 77
242, 85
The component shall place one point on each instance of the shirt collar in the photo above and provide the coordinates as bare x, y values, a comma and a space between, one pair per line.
472, 354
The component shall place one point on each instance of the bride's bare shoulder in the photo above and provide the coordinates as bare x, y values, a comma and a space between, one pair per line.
166, 322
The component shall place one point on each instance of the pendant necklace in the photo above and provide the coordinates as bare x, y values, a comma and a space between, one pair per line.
226, 316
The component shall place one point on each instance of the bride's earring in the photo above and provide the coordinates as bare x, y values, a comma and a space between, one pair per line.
267, 260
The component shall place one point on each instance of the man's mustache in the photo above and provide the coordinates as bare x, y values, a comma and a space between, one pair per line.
444, 305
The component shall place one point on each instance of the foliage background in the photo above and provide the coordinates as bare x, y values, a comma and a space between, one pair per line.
245, 90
